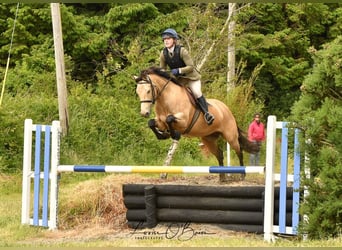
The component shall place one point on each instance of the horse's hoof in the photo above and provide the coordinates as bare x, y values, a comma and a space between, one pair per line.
163, 176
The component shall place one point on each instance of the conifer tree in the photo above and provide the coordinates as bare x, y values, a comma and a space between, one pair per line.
319, 112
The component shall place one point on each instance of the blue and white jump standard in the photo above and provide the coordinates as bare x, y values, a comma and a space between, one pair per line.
47, 168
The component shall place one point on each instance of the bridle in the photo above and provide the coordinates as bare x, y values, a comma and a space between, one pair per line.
156, 93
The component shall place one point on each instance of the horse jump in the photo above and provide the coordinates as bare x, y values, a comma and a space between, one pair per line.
45, 175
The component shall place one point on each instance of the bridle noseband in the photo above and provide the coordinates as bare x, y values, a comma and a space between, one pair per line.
155, 91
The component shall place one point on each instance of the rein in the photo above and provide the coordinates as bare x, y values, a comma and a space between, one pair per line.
154, 89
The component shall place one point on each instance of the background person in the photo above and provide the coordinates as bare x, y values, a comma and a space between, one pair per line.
256, 134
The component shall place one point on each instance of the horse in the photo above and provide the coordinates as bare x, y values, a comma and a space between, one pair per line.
177, 114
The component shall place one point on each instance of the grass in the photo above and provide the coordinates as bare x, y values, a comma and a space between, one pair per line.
84, 231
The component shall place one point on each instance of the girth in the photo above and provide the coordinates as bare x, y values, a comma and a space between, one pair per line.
197, 111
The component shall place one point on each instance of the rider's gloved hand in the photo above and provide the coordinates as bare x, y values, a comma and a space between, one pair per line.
175, 72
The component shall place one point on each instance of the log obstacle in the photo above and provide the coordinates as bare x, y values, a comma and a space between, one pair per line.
42, 167
231, 207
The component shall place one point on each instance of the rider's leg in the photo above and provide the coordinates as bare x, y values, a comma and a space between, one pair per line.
195, 87
202, 103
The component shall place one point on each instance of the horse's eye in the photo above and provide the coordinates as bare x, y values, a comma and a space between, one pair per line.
148, 91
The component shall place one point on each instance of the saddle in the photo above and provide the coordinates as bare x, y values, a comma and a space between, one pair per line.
191, 96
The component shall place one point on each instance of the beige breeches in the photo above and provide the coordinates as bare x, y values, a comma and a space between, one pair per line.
196, 87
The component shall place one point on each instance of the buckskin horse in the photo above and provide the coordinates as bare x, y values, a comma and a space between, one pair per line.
177, 114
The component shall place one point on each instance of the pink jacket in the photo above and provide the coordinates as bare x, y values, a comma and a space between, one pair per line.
256, 132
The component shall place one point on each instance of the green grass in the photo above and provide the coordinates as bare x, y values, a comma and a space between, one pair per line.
13, 234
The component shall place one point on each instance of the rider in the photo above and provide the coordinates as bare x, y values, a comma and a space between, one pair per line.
178, 59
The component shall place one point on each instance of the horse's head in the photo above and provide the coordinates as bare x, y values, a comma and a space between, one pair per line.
149, 91
145, 93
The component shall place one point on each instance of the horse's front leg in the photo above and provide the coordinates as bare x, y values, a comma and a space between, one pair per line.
170, 119
160, 134
175, 135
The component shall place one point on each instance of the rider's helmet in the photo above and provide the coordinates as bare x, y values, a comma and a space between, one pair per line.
170, 33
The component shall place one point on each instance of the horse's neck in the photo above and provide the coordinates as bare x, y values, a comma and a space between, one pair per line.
172, 96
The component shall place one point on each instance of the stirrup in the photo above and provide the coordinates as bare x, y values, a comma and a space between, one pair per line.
209, 118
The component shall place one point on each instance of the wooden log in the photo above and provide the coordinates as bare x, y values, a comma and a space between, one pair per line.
134, 201
151, 206
210, 216
208, 191
194, 202
205, 216
186, 190
252, 204
210, 203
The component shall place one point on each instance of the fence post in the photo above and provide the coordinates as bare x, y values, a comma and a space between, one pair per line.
55, 150
269, 178
27, 161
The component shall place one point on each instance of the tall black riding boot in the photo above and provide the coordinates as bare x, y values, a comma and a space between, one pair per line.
202, 103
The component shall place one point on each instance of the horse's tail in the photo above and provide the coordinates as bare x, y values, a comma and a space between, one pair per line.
246, 144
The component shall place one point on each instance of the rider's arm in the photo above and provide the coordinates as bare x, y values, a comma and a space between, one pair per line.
162, 61
185, 56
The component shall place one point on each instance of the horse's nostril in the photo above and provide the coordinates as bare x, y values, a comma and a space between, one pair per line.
146, 114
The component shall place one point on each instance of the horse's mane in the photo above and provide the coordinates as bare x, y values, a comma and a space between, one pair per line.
158, 71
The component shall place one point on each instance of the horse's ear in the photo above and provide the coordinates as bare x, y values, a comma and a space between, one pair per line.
135, 78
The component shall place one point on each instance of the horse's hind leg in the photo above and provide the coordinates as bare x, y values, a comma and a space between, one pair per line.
236, 147
240, 156
211, 144
233, 140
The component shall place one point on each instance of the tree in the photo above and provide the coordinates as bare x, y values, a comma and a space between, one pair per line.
279, 35
319, 113
26, 32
